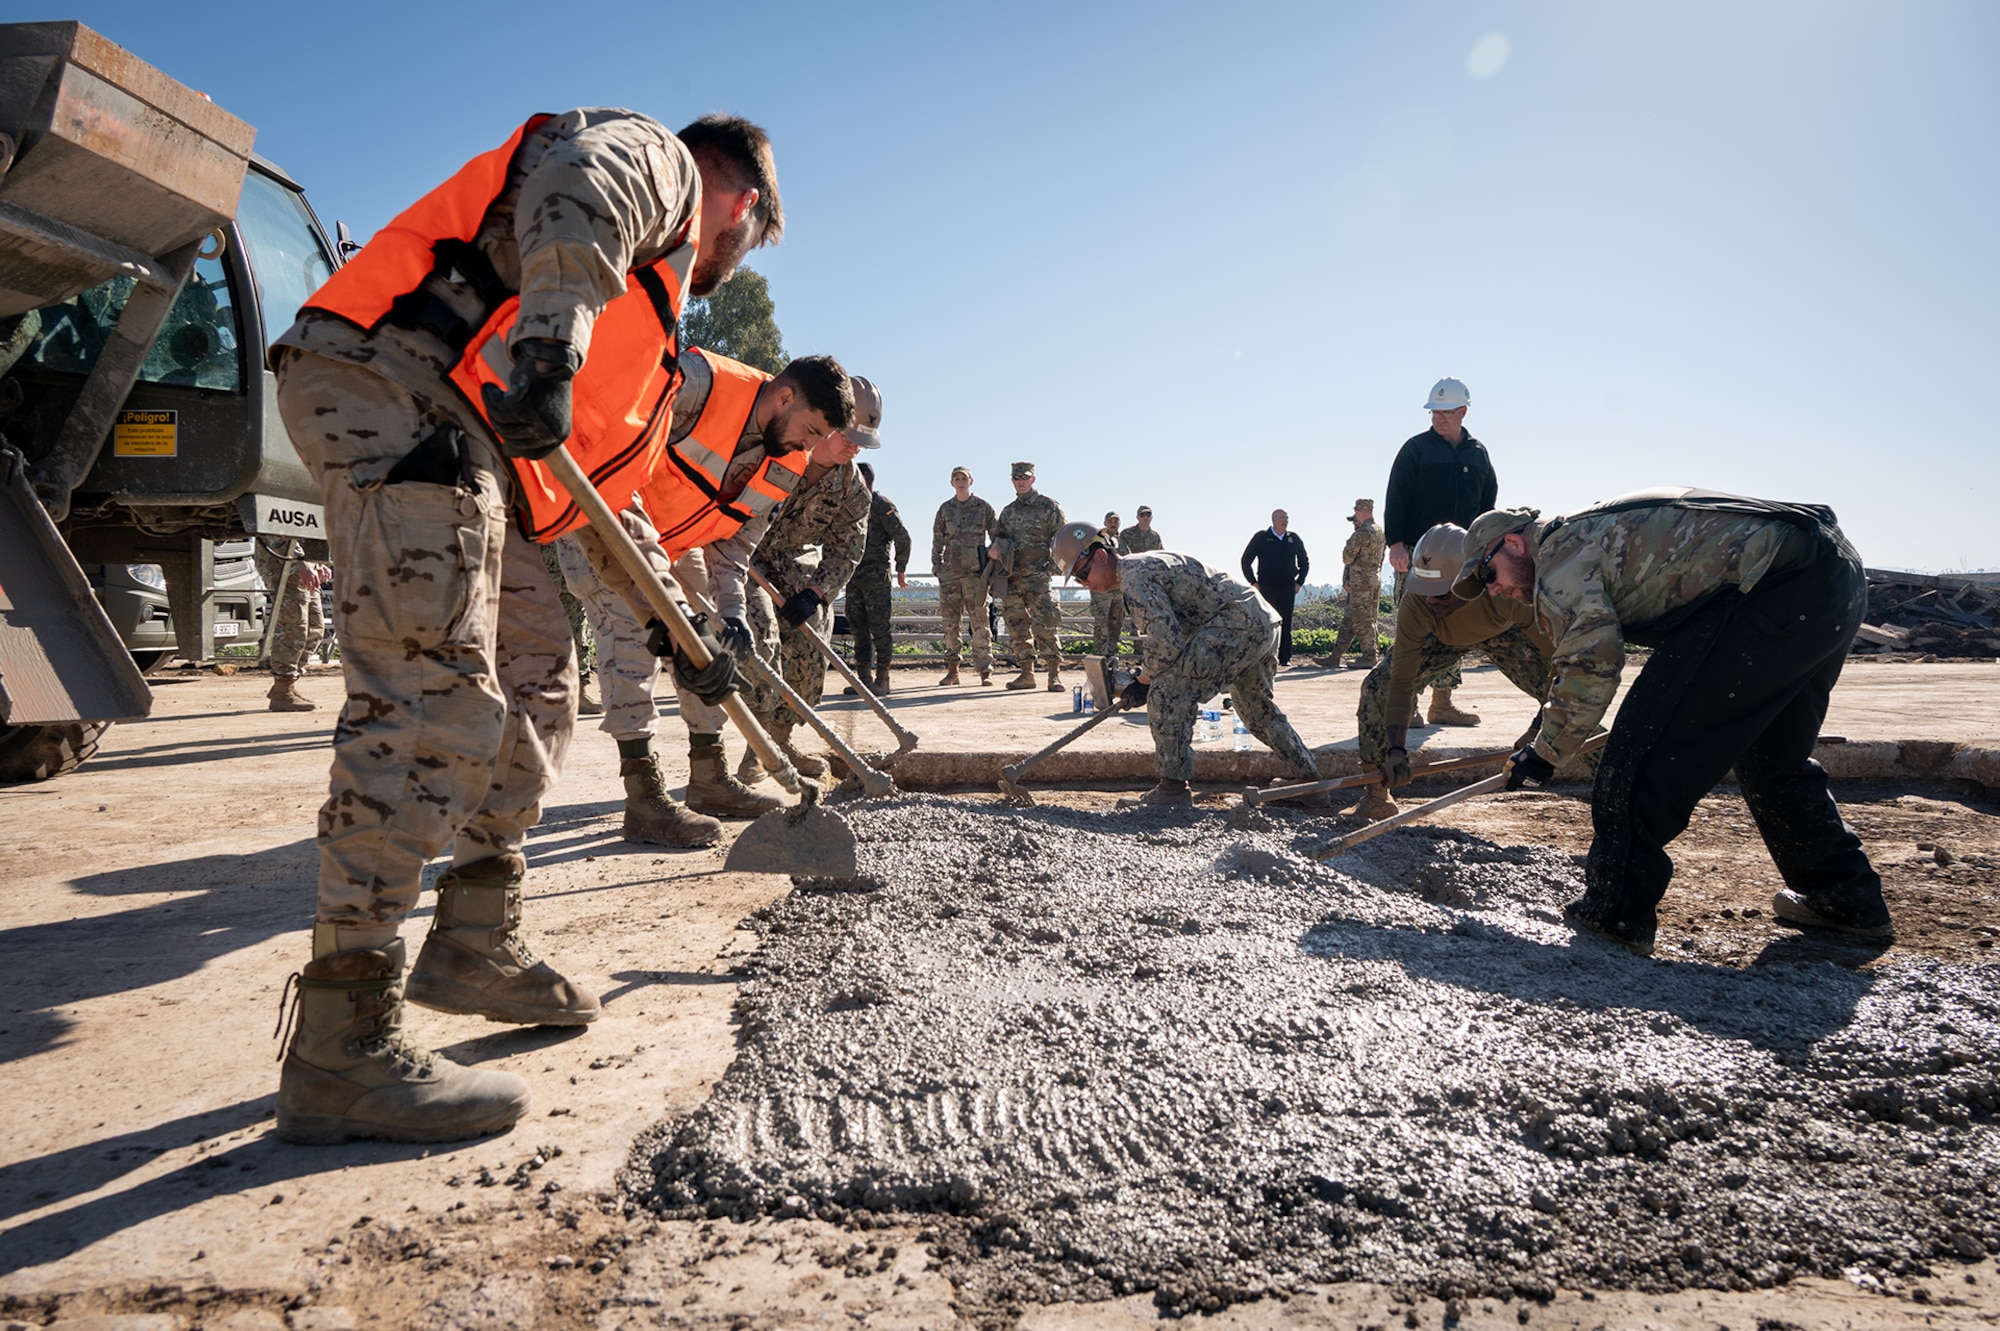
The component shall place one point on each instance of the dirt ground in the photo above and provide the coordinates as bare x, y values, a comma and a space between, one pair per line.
139, 1176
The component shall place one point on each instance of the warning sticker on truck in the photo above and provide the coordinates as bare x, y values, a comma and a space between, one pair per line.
145, 434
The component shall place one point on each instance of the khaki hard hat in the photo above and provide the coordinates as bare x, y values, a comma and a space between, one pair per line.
1072, 541
1447, 395
1487, 528
866, 432
1439, 555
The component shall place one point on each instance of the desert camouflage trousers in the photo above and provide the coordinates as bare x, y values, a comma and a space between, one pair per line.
1512, 652
298, 620
1032, 621
959, 599
870, 610
1360, 604
1107, 619
1450, 679
460, 673
1217, 659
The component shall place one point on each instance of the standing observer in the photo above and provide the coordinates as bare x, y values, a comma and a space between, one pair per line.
1441, 475
964, 525
1275, 563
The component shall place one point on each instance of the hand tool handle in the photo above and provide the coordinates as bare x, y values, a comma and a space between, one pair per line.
613, 533
1255, 797
872, 781
1019, 769
904, 739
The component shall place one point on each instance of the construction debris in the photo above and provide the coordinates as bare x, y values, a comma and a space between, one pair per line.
1955, 615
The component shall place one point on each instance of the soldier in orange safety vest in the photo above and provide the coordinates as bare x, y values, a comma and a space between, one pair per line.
534, 294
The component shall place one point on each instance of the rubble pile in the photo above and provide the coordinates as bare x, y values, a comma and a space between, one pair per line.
1954, 615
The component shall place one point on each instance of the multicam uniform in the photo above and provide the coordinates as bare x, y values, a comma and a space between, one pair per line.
1107, 609
1200, 632
1031, 523
1430, 642
815, 541
868, 594
1749, 607
460, 670
959, 535
298, 620
1361, 593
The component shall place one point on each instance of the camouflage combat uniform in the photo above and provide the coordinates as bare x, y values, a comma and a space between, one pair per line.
815, 540
959, 535
1107, 609
1201, 632
460, 670
1429, 643
1749, 608
1361, 593
298, 620
868, 593
579, 619
1033, 620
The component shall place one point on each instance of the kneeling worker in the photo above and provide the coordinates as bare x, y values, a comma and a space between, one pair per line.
1749, 606
1434, 630
1199, 632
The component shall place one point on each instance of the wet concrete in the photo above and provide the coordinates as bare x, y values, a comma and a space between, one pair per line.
1162, 1051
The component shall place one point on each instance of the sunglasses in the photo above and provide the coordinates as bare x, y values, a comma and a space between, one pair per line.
1484, 569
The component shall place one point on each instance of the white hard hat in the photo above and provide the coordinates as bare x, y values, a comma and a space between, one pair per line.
1447, 394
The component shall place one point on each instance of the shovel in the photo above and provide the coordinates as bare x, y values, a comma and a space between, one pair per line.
1369, 833
1010, 776
1253, 798
804, 840
905, 741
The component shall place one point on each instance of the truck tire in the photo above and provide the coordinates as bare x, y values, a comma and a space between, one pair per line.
36, 753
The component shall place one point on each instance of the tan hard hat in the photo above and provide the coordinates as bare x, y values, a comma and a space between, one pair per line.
1440, 553
866, 432
1071, 541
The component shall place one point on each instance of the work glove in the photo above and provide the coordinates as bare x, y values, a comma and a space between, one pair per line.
532, 416
736, 637
1133, 696
710, 683
1396, 769
1526, 766
798, 609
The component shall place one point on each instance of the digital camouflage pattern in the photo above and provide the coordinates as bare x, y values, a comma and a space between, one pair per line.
1033, 621
460, 673
298, 619
959, 536
1598, 575
816, 539
869, 592
1200, 633
1361, 592
1138, 541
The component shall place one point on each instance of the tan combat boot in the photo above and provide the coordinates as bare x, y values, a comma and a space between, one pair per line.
349, 1072
804, 763
1026, 680
986, 677
881, 679
1376, 804
475, 962
284, 696
652, 817
1169, 792
589, 700
712, 790
950, 675
1055, 680
1444, 714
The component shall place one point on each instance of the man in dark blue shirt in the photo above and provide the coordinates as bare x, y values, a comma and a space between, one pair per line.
1275, 563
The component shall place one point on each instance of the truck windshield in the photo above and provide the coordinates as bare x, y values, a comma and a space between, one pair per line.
285, 250
198, 345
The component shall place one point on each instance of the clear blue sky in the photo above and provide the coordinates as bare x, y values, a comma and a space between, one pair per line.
1212, 257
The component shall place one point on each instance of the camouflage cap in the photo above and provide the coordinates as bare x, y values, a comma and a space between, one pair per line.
957, 472
1145, 510
1361, 506
1487, 528
1023, 469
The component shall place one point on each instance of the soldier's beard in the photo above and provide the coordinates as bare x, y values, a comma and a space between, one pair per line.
716, 262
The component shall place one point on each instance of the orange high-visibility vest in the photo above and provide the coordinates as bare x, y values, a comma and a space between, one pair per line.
683, 498
620, 400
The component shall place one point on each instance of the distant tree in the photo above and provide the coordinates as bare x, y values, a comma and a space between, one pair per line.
739, 321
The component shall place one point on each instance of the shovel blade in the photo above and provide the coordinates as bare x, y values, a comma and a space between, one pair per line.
804, 841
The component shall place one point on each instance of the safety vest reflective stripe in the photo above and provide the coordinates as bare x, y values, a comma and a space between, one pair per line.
684, 499
618, 402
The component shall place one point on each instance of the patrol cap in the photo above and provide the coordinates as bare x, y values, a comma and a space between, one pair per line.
1487, 528
866, 430
957, 472
1110, 518
1023, 469
1361, 506
1438, 556
1145, 510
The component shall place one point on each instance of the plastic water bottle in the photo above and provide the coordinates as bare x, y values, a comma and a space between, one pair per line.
1090, 704
1243, 740
1211, 724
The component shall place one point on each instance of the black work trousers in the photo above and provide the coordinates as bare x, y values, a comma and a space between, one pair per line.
1743, 683
1282, 601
